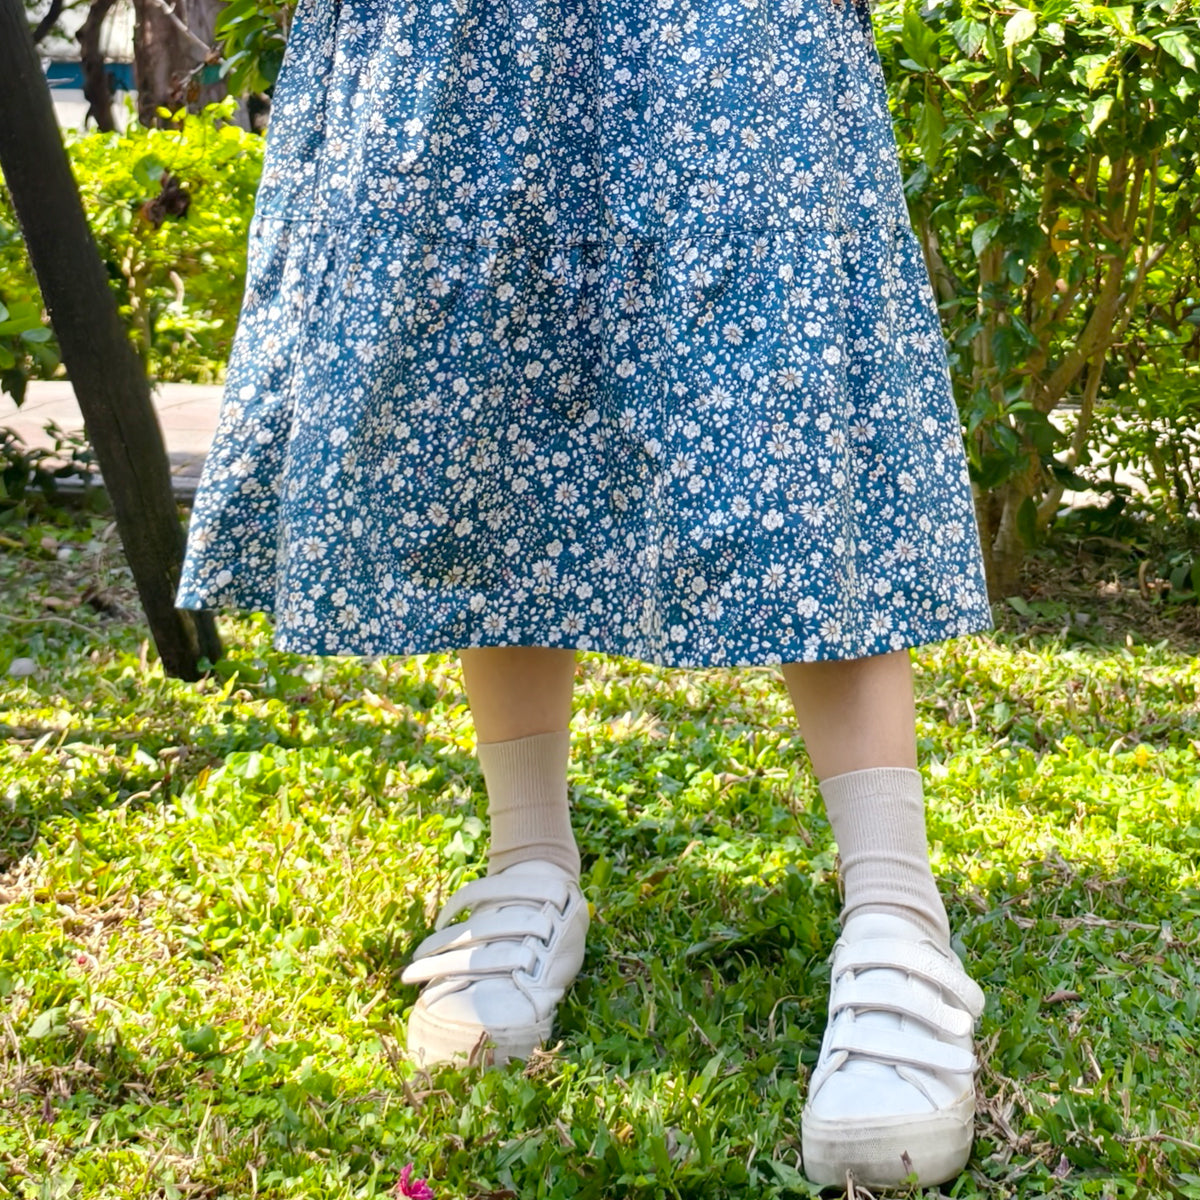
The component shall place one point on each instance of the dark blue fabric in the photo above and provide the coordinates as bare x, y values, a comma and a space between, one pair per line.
587, 323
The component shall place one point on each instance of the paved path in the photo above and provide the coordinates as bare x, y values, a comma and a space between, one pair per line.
187, 413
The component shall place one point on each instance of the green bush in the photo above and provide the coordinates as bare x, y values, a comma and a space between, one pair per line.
170, 210
253, 36
28, 472
1050, 155
27, 348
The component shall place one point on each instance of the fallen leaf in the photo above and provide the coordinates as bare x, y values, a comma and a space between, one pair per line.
1061, 997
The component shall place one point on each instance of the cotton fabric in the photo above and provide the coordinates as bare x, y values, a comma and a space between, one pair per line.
878, 819
587, 323
529, 811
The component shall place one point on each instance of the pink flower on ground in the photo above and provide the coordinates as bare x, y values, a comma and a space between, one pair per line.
416, 1189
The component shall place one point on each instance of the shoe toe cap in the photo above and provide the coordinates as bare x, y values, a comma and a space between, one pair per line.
861, 1089
485, 1003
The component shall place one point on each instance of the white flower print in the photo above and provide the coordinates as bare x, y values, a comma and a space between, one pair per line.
596, 326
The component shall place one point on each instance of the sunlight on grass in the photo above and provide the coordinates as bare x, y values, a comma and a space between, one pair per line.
210, 891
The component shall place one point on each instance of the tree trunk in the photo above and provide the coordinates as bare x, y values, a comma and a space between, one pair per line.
108, 379
95, 70
1006, 553
1003, 541
172, 44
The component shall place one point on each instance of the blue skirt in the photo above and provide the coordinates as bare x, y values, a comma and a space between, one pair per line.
587, 323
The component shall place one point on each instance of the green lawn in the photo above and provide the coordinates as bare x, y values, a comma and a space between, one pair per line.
209, 891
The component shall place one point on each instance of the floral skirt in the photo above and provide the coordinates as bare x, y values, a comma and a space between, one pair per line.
587, 323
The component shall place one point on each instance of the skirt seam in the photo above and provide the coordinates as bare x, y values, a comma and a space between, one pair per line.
618, 237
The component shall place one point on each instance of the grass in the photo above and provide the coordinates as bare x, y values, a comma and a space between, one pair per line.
209, 891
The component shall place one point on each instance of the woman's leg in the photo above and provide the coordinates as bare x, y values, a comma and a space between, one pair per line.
520, 699
858, 722
855, 714
892, 1093
518, 691
497, 978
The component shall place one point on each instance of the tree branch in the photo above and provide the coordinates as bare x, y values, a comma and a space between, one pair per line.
47, 23
95, 70
172, 16
1097, 335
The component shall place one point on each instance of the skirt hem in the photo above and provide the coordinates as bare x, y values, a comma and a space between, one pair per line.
324, 644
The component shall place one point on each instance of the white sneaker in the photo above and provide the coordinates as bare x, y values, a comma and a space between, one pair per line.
494, 980
893, 1091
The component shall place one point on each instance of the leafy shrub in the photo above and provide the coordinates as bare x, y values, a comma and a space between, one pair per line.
1050, 155
170, 210
25, 471
27, 345
27, 348
253, 36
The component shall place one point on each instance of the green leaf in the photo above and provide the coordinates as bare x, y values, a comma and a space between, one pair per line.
270, 64
1094, 67
931, 127
1178, 46
1069, 480
969, 35
1020, 27
1098, 112
1030, 57
1006, 439
48, 1024
149, 170
201, 1042
232, 13
1041, 431
983, 235
991, 118
919, 41
20, 324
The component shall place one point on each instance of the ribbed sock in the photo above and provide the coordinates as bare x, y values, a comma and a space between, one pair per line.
527, 801
878, 820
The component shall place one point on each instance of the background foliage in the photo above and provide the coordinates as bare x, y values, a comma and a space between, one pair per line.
1051, 155
253, 35
170, 209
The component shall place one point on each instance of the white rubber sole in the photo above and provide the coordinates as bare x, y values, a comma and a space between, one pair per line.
432, 1040
887, 1151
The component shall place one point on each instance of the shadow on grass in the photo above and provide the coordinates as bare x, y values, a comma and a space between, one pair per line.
104, 761
698, 1013
687, 1040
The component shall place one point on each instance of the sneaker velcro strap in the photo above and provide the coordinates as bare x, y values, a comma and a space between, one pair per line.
915, 959
498, 890
467, 963
492, 925
866, 991
905, 1047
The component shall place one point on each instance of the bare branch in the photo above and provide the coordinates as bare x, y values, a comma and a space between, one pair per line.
48, 21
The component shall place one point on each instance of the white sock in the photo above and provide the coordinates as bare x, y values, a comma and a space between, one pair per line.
878, 820
527, 801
